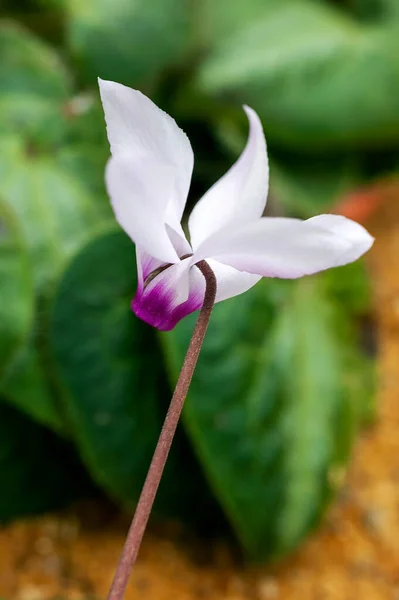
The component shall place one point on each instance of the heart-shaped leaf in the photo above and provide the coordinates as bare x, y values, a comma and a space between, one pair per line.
270, 410
112, 368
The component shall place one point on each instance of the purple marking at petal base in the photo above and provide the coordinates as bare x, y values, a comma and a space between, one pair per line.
157, 308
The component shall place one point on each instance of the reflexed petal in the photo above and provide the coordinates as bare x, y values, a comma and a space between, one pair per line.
240, 195
230, 281
137, 128
289, 248
136, 198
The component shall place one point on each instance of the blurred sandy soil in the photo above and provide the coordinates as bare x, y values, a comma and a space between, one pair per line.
354, 556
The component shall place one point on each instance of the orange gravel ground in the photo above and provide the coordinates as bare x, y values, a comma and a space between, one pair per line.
355, 555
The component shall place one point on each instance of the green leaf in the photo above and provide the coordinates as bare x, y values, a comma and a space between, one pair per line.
309, 185
106, 358
269, 410
350, 287
55, 212
52, 181
26, 387
317, 77
22, 380
38, 472
128, 40
34, 84
386, 11
111, 366
16, 289
317, 421
29, 66
86, 165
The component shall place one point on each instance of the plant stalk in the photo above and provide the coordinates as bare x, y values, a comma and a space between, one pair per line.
147, 497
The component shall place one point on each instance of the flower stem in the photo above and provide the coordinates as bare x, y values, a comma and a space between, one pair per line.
147, 497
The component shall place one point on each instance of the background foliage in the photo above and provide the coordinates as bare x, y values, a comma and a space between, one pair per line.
283, 382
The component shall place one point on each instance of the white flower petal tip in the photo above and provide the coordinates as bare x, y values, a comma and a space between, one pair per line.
289, 248
240, 195
359, 239
149, 173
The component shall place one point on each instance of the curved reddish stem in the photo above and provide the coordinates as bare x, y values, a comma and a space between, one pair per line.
147, 497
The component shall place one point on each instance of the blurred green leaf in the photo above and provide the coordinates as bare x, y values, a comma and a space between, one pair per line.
129, 41
350, 286
317, 77
269, 409
34, 84
38, 471
86, 165
112, 368
54, 210
29, 66
86, 123
16, 289
306, 186
320, 392
25, 385
51, 165
377, 10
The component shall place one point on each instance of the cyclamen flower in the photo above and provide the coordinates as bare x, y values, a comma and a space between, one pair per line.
148, 178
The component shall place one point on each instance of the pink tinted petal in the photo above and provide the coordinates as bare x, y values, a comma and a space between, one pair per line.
146, 264
240, 195
289, 248
167, 298
179, 290
137, 128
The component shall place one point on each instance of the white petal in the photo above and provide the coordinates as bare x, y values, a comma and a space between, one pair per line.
136, 198
179, 240
240, 195
289, 248
346, 228
230, 281
138, 128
